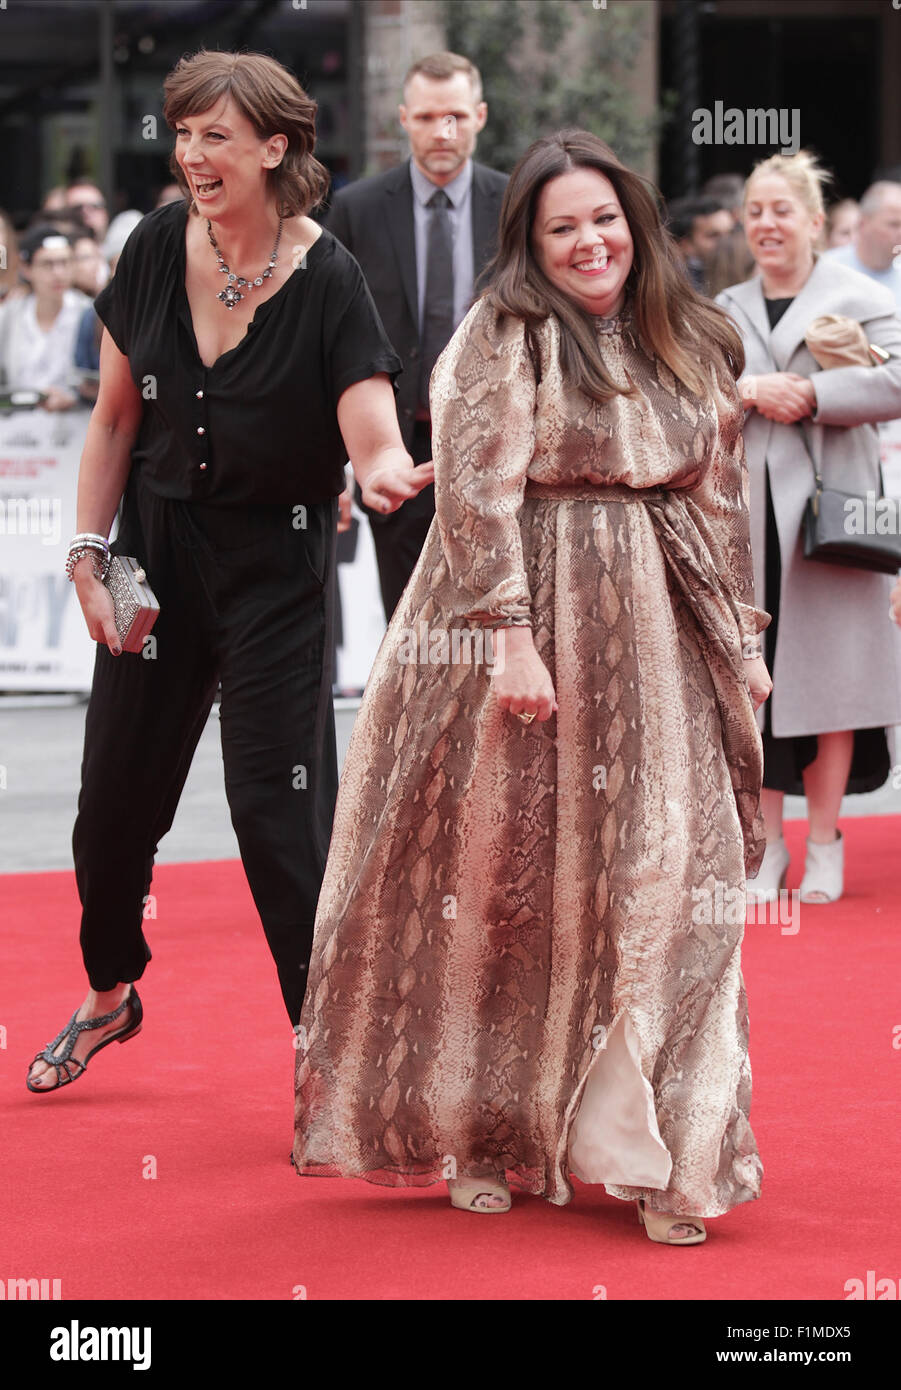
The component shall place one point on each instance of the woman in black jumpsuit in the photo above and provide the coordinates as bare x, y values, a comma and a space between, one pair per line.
232, 462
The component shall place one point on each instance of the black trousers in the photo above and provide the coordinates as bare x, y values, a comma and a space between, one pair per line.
400, 536
246, 600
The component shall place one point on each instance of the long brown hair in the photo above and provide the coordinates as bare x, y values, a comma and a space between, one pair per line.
275, 104
691, 335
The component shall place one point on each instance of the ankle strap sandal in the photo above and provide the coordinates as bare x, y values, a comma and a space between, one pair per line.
71, 1033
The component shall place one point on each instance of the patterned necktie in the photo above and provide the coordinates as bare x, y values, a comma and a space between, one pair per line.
438, 310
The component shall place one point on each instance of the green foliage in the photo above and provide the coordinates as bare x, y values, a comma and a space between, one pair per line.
531, 96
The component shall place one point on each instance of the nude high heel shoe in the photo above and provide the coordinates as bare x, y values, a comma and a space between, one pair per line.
770, 879
658, 1226
824, 871
468, 1193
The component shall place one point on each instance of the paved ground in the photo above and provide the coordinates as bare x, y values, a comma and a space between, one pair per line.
40, 751
40, 747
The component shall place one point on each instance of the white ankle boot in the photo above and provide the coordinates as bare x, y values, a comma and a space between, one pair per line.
824, 871
771, 874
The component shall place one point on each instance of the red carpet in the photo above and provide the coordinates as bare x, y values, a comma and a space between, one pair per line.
205, 1092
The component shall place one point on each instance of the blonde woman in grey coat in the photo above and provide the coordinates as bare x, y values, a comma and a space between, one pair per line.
833, 654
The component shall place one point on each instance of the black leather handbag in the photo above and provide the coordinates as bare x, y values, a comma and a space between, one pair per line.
830, 537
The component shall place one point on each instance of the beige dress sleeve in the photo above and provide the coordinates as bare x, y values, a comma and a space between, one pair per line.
723, 499
482, 397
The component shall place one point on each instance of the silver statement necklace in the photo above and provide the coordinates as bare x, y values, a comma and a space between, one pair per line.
232, 292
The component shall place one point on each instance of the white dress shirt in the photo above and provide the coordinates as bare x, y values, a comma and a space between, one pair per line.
32, 357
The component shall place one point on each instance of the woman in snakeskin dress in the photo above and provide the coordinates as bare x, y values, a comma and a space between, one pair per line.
522, 965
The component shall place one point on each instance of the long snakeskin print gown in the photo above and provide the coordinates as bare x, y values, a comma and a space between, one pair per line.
512, 969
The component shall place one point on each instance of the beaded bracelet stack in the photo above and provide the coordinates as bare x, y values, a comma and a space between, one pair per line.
97, 547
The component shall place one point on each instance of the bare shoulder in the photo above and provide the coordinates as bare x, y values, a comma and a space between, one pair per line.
302, 231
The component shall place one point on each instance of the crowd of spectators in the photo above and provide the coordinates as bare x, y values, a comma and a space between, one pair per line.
707, 228
50, 271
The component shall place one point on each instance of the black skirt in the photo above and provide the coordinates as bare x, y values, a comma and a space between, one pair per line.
784, 759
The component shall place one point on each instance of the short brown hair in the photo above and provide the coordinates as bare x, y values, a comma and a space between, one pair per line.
275, 104
441, 66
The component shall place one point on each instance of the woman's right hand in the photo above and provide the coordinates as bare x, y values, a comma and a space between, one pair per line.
96, 605
386, 488
521, 682
780, 396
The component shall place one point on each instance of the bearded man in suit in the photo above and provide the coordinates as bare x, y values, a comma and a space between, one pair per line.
422, 263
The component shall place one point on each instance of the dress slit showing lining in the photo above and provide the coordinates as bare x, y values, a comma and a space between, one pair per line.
614, 1136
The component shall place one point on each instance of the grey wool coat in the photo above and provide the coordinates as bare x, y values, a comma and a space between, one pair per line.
837, 663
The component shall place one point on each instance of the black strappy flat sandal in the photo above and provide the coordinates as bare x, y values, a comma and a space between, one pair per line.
65, 1060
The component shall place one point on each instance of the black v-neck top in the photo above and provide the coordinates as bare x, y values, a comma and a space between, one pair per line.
260, 425
775, 308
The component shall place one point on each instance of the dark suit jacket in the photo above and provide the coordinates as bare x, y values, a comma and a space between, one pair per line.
374, 219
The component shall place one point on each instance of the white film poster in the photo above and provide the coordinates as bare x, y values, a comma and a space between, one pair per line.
362, 614
44, 645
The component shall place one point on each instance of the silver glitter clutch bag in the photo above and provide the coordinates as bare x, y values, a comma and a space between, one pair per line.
136, 604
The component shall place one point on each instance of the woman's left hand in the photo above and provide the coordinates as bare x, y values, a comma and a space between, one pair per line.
784, 396
344, 510
389, 487
758, 679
